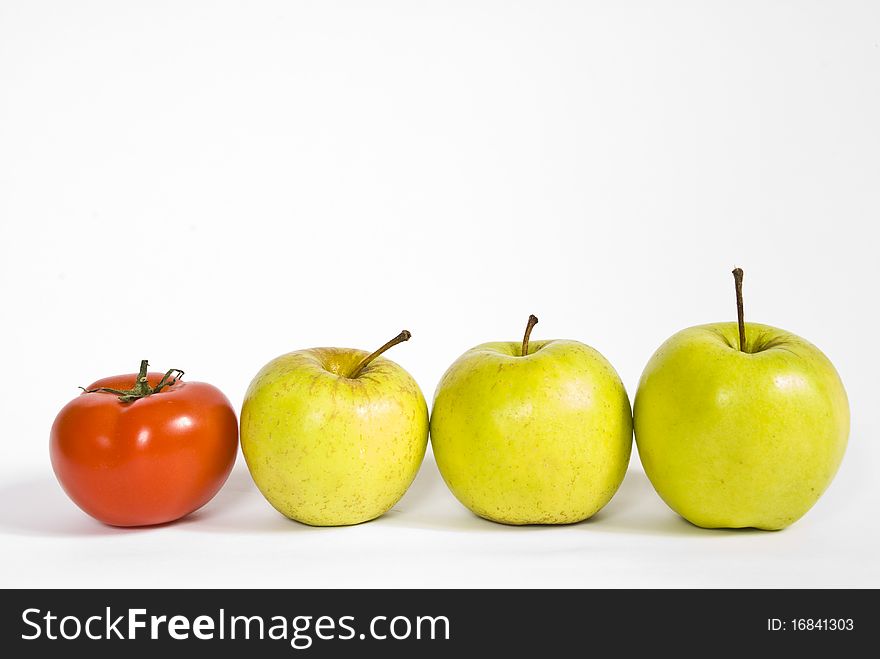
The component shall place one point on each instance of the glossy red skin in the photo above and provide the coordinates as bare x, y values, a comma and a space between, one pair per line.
147, 462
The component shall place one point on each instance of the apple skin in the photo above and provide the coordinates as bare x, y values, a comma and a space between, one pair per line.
329, 450
740, 439
540, 439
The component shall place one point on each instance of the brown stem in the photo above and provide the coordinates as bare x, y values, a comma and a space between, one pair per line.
533, 320
400, 338
738, 282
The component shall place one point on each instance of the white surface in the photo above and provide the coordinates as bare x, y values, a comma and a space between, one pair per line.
212, 184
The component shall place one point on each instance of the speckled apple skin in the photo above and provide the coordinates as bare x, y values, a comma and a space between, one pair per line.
740, 439
540, 439
328, 450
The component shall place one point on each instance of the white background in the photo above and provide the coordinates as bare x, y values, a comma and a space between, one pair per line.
211, 184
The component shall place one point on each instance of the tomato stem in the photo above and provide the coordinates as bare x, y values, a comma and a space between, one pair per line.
141, 388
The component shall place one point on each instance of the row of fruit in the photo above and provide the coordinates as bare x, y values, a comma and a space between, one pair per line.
737, 425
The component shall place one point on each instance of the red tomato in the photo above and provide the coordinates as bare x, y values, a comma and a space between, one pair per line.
149, 458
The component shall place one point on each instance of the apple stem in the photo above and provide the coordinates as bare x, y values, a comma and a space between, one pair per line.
405, 335
738, 282
141, 388
533, 320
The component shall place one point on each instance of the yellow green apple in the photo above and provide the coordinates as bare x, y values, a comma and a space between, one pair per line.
334, 436
532, 433
740, 424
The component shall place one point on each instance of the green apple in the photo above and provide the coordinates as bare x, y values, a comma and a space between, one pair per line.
532, 434
334, 436
739, 424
